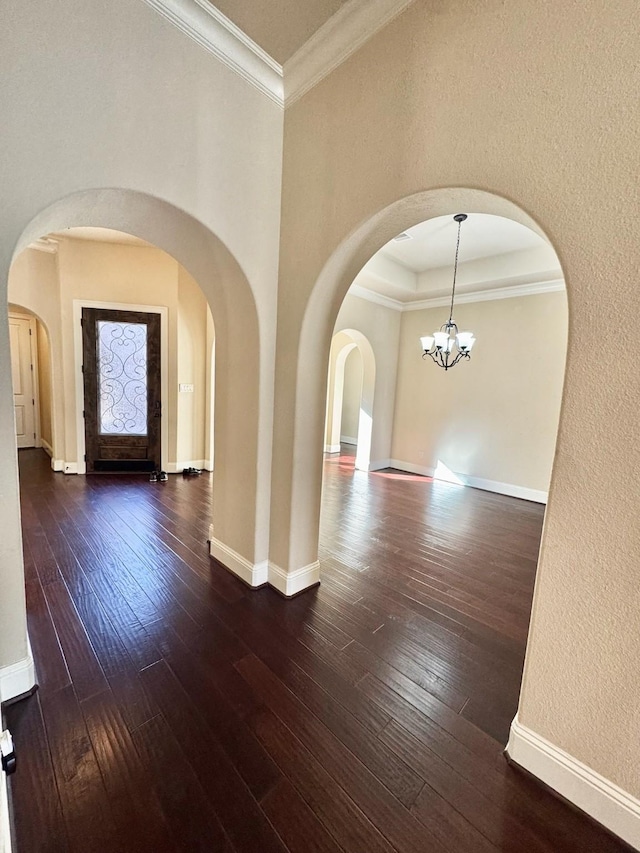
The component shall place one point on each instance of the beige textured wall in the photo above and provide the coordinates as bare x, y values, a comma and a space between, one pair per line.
494, 417
535, 104
44, 384
351, 395
192, 370
33, 285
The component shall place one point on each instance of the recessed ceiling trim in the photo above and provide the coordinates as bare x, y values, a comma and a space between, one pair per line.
44, 244
213, 31
341, 36
377, 298
505, 292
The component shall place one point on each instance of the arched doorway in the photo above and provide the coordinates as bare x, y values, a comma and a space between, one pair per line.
350, 398
299, 505
239, 532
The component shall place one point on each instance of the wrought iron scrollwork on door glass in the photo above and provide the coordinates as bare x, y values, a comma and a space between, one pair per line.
122, 378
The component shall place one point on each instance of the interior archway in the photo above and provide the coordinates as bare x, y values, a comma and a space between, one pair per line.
337, 275
239, 532
344, 344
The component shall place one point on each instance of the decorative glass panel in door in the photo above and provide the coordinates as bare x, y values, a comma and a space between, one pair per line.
121, 365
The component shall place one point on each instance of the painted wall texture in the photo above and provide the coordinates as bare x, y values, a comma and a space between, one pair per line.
533, 106
494, 417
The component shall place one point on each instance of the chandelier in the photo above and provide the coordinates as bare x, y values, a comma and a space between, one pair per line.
448, 346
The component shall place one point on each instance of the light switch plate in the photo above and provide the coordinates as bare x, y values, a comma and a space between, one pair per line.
186, 388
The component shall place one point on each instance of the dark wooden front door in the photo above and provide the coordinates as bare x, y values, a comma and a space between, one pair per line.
123, 409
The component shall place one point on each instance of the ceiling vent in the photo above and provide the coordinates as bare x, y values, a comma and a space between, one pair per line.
402, 237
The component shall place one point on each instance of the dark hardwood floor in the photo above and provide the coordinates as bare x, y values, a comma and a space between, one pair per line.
178, 710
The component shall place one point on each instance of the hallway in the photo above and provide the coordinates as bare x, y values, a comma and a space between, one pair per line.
178, 710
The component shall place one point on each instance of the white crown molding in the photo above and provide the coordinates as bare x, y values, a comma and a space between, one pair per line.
605, 802
376, 298
489, 295
213, 31
44, 244
341, 36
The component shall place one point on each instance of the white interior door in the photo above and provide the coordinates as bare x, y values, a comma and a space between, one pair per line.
22, 376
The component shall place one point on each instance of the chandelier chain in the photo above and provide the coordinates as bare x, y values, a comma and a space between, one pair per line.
455, 271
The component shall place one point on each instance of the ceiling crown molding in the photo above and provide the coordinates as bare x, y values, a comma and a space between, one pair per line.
512, 291
342, 35
213, 31
346, 31
489, 295
44, 244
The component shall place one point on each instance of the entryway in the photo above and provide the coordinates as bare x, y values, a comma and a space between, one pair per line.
122, 390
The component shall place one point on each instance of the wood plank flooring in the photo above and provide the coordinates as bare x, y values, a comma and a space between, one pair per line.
180, 711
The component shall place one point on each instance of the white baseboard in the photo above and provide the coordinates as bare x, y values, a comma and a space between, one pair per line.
349, 439
253, 574
332, 448
17, 678
5, 827
510, 489
178, 467
46, 447
61, 465
605, 802
379, 464
291, 583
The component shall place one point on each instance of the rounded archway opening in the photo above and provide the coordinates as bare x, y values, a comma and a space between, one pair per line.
202, 267
475, 425
350, 399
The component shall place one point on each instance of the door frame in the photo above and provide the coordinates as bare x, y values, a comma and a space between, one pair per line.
33, 343
78, 304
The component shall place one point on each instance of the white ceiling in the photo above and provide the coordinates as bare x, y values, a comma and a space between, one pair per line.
433, 242
280, 27
496, 254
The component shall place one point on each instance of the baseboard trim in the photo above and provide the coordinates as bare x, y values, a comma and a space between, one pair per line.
601, 799
332, 448
293, 583
5, 826
379, 464
509, 489
46, 447
17, 679
349, 439
178, 467
253, 574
